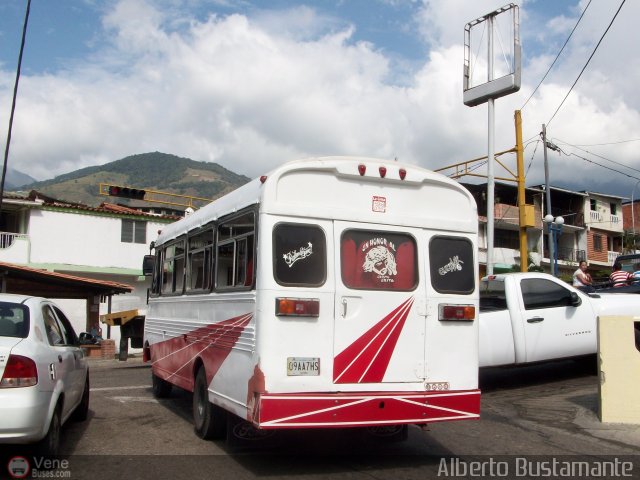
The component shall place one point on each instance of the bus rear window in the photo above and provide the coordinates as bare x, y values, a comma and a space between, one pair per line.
376, 260
452, 265
299, 255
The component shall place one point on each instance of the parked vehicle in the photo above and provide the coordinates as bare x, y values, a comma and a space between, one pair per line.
532, 317
44, 375
628, 264
332, 292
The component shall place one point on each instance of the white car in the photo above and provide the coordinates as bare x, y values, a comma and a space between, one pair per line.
44, 375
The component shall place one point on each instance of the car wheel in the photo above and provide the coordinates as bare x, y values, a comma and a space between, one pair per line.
161, 388
82, 410
209, 420
50, 444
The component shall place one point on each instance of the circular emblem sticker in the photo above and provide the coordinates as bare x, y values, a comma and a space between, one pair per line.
18, 467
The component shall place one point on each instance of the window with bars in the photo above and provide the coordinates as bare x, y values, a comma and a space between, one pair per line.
597, 242
133, 231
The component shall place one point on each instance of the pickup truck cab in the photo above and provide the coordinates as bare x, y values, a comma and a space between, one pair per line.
533, 317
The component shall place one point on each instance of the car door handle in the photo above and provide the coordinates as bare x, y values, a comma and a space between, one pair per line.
60, 358
535, 319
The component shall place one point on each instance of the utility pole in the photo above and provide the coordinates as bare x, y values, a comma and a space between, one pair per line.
524, 254
490, 153
547, 191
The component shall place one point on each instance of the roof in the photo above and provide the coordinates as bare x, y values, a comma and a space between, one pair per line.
565, 190
38, 199
42, 283
605, 195
582, 193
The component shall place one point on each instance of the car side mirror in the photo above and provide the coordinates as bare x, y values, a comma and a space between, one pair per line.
147, 265
576, 301
85, 338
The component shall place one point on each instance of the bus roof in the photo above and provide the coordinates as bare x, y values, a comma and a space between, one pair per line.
346, 188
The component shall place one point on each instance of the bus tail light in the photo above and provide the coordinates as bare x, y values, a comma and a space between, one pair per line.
297, 307
456, 313
19, 372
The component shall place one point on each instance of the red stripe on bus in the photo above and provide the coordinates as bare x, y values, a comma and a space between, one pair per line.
324, 410
173, 359
366, 360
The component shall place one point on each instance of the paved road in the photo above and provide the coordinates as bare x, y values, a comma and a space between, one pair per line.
535, 414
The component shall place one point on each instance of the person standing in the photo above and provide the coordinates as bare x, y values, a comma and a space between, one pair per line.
582, 279
619, 277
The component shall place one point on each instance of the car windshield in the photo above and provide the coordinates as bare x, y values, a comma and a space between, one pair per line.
14, 320
629, 263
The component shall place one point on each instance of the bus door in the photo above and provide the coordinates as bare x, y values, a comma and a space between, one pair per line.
380, 313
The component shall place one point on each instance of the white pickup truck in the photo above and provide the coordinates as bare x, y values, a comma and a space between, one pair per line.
532, 317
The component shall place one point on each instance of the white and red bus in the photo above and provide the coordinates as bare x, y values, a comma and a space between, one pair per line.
332, 292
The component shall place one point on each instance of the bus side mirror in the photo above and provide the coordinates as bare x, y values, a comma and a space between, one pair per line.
147, 265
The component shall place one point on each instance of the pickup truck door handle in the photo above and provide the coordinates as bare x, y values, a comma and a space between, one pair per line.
535, 319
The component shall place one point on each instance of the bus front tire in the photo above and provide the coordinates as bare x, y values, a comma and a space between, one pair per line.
209, 420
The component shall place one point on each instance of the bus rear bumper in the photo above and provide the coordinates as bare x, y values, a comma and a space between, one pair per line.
362, 409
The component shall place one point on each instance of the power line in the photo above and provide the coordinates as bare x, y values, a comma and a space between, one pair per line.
557, 56
532, 156
599, 156
600, 165
601, 144
586, 64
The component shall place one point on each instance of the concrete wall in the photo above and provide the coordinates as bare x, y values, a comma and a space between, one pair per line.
81, 239
619, 369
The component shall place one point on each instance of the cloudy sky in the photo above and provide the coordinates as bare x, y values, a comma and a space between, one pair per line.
251, 84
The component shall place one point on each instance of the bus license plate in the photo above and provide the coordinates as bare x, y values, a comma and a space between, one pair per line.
303, 366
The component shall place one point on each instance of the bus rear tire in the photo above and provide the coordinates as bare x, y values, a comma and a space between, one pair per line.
209, 420
161, 388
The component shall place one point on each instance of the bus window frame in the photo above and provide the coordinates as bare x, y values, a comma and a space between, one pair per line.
174, 292
210, 227
233, 240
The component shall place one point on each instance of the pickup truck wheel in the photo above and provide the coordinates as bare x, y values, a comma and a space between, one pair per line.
209, 420
161, 388
50, 444
82, 410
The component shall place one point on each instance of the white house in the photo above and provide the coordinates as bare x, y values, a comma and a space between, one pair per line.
106, 243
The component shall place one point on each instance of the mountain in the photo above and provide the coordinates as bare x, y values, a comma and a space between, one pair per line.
15, 179
152, 171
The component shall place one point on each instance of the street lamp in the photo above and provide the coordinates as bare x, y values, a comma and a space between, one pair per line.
555, 227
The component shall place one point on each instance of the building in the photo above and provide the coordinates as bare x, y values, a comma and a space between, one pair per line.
593, 228
105, 243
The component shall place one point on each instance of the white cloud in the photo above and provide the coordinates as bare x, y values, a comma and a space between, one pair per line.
252, 92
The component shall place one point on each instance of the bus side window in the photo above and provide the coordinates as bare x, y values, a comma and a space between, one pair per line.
235, 251
173, 268
199, 260
156, 280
